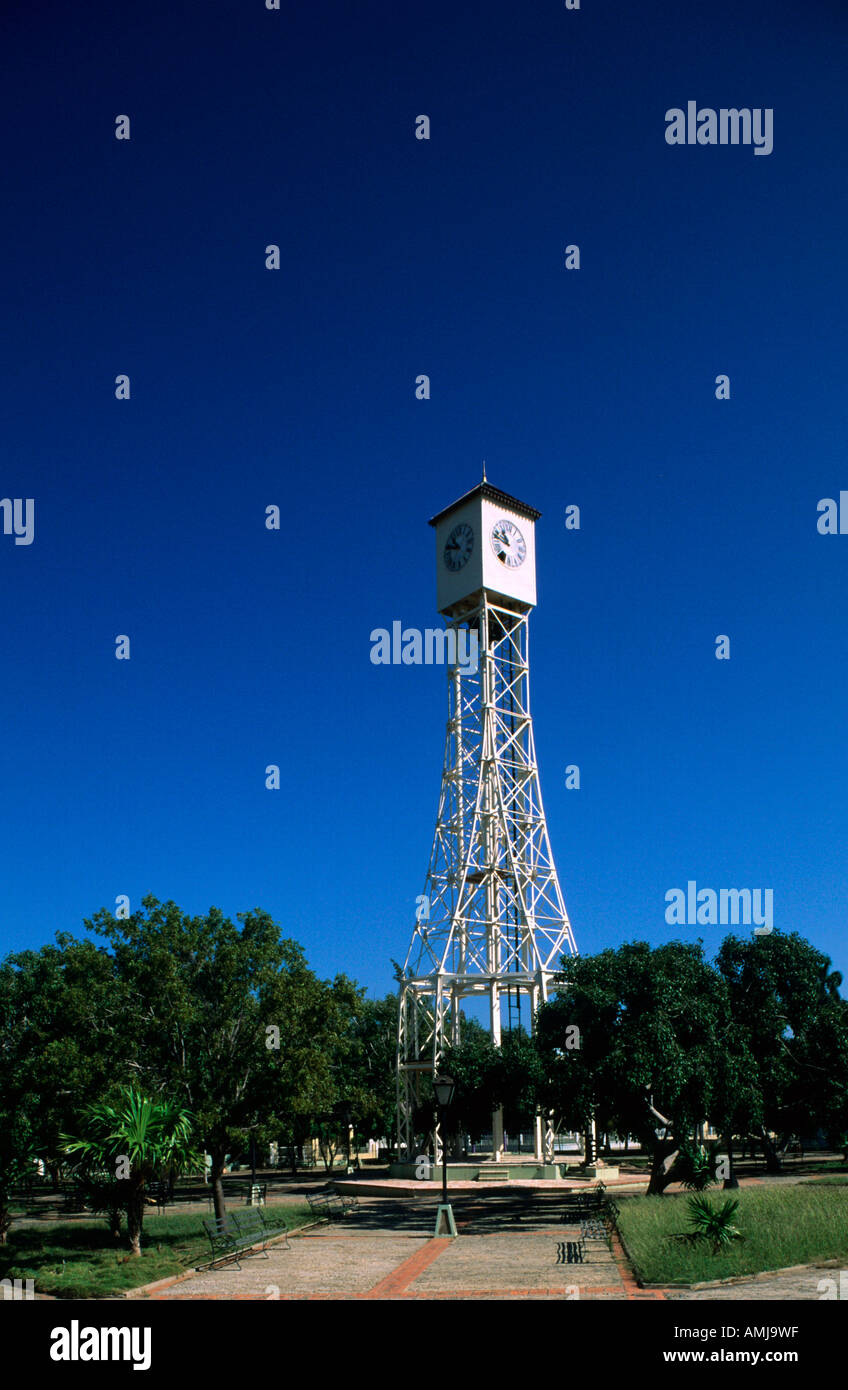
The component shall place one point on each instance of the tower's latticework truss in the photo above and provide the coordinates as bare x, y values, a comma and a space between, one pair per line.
492, 921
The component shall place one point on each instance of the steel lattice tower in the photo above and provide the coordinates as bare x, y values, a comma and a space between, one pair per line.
492, 921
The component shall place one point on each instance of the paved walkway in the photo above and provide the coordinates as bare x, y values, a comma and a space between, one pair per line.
800, 1285
498, 1256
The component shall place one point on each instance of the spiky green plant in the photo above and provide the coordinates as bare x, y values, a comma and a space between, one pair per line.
713, 1225
134, 1139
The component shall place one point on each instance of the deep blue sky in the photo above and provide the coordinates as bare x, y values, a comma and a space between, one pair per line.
252, 387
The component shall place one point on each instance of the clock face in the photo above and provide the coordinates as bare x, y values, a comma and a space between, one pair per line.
459, 546
508, 544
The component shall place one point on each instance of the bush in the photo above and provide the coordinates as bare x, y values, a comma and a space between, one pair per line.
713, 1225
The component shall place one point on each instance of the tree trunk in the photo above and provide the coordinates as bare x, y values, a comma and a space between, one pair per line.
135, 1217
664, 1152
218, 1153
731, 1180
664, 1158
590, 1141
773, 1163
5, 1218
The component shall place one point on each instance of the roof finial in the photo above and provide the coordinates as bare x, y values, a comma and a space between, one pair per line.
484, 470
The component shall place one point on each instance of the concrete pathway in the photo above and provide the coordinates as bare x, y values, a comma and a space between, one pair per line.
368, 1257
800, 1284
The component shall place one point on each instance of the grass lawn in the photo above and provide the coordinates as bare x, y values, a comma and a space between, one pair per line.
78, 1259
782, 1225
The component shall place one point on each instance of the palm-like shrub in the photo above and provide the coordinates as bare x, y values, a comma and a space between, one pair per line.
134, 1139
712, 1224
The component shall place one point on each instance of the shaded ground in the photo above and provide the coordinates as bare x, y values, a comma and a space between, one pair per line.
511, 1247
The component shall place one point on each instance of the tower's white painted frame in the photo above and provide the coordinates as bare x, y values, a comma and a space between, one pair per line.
496, 918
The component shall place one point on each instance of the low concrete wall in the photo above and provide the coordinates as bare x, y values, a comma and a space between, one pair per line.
469, 1172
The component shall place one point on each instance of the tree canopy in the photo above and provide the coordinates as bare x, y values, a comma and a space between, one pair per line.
225, 1020
650, 1025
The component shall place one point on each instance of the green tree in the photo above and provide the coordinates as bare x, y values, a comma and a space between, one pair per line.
62, 1034
340, 1068
132, 1140
361, 1041
650, 1025
792, 1026
18, 1152
228, 1019
474, 1065
519, 1079
375, 1115
511, 1075
17, 1141
61, 1045
231, 1019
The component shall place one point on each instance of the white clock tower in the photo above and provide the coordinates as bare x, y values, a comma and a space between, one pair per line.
491, 922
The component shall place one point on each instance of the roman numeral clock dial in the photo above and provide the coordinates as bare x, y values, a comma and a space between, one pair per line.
459, 546
508, 544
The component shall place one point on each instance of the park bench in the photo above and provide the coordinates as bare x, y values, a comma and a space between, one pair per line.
240, 1231
272, 1229
592, 1207
229, 1238
573, 1208
348, 1203
253, 1221
596, 1228
260, 1214
323, 1205
330, 1203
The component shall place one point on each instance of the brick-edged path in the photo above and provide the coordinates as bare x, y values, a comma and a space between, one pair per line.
342, 1263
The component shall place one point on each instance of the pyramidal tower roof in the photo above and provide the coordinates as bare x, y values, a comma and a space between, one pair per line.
492, 494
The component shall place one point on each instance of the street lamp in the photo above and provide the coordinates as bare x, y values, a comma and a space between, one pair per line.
444, 1087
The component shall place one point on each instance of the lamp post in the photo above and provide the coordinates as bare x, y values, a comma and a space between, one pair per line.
444, 1087
347, 1117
